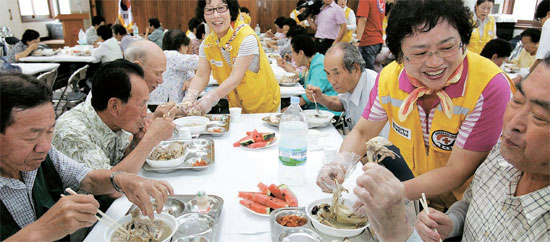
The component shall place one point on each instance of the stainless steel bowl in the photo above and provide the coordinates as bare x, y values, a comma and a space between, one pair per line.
299, 235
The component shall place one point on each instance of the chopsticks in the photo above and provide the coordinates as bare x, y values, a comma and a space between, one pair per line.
113, 224
424, 203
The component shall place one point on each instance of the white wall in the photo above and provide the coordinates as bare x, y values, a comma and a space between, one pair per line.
18, 27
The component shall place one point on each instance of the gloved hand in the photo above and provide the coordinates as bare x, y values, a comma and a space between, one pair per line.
187, 101
205, 103
339, 169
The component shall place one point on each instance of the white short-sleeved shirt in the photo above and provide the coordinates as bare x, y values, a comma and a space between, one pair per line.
355, 102
108, 51
544, 43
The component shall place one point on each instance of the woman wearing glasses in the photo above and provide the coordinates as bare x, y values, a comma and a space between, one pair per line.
234, 56
485, 28
443, 103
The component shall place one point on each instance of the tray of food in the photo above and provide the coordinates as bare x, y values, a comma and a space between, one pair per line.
183, 218
328, 219
173, 155
314, 119
211, 124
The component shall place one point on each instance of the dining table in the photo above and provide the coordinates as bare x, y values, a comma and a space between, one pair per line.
238, 169
60, 58
36, 68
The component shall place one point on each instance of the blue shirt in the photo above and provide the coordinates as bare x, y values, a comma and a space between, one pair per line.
156, 36
317, 77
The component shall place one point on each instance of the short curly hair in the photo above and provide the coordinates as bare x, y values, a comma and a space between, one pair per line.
413, 16
233, 5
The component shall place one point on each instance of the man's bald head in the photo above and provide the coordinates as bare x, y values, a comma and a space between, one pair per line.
151, 58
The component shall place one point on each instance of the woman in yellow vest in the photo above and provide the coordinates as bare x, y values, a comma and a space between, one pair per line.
350, 21
485, 26
444, 104
235, 58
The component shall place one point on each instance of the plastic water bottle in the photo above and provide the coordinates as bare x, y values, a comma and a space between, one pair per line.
257, 29
136, 30
293, 144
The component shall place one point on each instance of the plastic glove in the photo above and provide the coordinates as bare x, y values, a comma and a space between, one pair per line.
205, 103
187, 101
339, 169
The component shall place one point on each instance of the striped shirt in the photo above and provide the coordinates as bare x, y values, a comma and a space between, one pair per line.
481, 128
249, 46
490, 210
17, 195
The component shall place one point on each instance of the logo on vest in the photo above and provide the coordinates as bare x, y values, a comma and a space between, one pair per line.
491, 33
216, 63
401, 130
443, 139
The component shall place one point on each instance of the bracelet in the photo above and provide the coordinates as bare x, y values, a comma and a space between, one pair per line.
115, 186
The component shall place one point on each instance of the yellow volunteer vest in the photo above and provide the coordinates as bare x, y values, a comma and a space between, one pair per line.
476, 42
347, 35
257, 92
408, 136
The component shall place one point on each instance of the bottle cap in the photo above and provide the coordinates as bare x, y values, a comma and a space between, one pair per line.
294, 100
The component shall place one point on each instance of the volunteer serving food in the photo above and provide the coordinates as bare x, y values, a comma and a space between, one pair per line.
444, 104
233, 55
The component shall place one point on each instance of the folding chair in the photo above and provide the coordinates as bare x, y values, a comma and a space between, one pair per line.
48, 77
70, 98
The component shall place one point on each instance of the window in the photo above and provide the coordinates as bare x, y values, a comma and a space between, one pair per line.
524, 11
35, 10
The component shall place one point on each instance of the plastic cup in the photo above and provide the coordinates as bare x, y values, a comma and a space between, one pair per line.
235, 114
330, 154
313, 137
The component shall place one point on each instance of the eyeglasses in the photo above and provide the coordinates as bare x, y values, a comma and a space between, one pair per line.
441, 53
219, 9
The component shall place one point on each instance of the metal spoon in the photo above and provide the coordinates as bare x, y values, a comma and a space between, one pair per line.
318, 113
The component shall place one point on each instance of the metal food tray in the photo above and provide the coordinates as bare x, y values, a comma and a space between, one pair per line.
198, 149
184, 206
306, 232
224, 120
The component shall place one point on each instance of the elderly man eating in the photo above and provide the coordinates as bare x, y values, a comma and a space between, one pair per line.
348, 76
96, 132
509, 197
33, 174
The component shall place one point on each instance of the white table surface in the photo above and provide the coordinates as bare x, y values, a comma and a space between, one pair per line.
35, 68
60, 58
236, 169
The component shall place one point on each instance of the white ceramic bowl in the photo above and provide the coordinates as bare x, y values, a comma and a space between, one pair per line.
330, 230
314, 122
167, 163
165, 217
195, 124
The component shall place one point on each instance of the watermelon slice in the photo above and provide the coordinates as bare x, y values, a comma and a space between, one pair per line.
238, 143
289, 196
258, 208
269, 201
275, 191
264, 188
248, 195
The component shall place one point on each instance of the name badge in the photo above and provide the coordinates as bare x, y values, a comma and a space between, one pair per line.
401, 130
216, 63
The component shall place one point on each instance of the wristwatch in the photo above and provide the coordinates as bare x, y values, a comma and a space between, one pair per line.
115, 186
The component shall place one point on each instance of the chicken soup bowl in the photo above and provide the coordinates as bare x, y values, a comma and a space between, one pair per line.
167, 225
